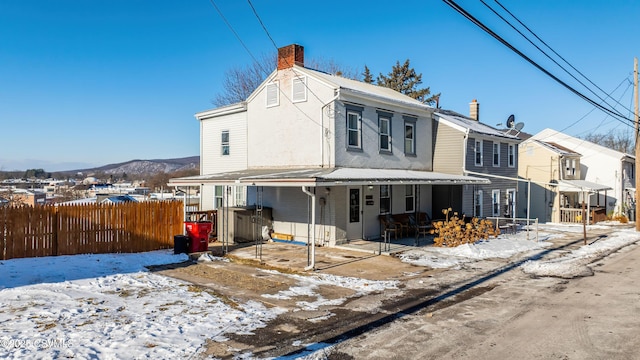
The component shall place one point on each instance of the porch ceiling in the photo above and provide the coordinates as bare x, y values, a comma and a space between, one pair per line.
327, 177
580, 186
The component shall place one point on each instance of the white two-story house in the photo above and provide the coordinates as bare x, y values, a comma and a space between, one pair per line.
327, 154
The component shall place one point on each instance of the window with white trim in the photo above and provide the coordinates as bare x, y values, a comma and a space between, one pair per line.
217, 197
299, 89
409, 136
512, 155
477, 203
478, 152
384, 131
224, 142
354, 129
409, 199
273, 94
495, 202
385, 199
240, 195
496, 154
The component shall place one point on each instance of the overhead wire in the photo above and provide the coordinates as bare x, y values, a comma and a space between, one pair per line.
555, 52
547, 55
478, 23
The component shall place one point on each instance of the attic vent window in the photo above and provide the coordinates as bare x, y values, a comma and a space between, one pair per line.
299, 89
273, 94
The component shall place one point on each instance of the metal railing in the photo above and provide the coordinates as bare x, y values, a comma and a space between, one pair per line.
513, 225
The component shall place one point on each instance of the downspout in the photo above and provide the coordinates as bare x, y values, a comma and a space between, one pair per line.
322, 130
313, 227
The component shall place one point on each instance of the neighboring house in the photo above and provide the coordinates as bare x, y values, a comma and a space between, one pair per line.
465, 146
114, 199
28, 197
557, 183
601, 165
309, 143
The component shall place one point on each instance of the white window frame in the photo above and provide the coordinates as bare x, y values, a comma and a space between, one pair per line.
218, 198
410, 141
299, 89
240, 195
495, 202
384, 195
477, 151
381, 134
477, 203
273, 92
409, 198
495, 159
511, 154
224, 145
357, 129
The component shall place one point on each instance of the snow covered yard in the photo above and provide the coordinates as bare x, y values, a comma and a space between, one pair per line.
110, 306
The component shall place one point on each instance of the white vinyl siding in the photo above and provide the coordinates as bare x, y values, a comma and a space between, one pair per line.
299, 89
273, 94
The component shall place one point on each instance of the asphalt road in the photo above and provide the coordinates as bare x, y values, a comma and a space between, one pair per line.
520, 317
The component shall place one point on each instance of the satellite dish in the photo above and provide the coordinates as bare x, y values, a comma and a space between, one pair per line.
519, 126
511, 121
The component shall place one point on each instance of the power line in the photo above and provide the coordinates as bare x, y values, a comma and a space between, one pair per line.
556, 53
548, 56
478, 23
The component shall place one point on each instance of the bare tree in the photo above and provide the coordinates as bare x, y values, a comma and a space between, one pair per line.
620, 141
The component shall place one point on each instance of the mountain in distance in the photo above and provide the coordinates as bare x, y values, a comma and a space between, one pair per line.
140, 167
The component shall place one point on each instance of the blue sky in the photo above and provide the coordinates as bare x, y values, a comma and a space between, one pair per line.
89, 83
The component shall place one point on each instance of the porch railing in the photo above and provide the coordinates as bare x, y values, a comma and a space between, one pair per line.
571, 216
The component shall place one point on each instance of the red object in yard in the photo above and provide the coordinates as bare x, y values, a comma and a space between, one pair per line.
198, 232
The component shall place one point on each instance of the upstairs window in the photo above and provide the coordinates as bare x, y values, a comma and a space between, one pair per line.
273, 94
225, 142
354, 127
409, 136
478, 152
299, 89
512, 155
384, 131
496, 154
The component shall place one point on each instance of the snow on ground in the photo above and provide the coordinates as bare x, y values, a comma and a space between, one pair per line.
576, 263
110, 306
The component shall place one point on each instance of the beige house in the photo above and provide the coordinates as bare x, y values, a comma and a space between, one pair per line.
558, 187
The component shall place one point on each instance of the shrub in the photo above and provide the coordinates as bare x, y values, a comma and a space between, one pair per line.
456, 231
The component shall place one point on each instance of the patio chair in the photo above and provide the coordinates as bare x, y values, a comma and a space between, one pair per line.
421, 228
389, 226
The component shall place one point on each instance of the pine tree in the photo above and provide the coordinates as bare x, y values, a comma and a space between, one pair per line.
404, 79
367, 77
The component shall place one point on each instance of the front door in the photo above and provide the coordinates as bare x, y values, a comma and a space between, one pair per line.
354, 213
510, 206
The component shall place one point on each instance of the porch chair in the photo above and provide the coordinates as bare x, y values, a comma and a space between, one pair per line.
390, 226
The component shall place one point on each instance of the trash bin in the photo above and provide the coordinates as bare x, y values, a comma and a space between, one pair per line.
180, 244
198, 232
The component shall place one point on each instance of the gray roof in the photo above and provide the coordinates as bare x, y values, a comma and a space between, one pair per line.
581, 185
474, 126
327, 177
362, 88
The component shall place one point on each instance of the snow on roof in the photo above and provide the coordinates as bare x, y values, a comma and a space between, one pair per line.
555, 147
474, 126
581, 145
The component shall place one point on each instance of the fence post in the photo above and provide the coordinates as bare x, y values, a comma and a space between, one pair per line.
56, 228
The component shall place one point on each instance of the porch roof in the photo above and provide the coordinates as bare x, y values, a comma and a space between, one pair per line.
580, 186
327, 177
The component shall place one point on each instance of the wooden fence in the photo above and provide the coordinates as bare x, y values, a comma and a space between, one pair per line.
88, 229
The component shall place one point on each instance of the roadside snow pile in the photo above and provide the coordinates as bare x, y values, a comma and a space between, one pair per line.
308, 284
576, 263
112, 308
504, 246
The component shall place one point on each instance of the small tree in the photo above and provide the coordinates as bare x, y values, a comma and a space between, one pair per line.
366, 75
404, 79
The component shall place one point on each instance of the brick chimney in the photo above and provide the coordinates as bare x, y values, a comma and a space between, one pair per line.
289, 55
474, 110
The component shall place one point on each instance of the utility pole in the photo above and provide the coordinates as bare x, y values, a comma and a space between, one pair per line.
635, 88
